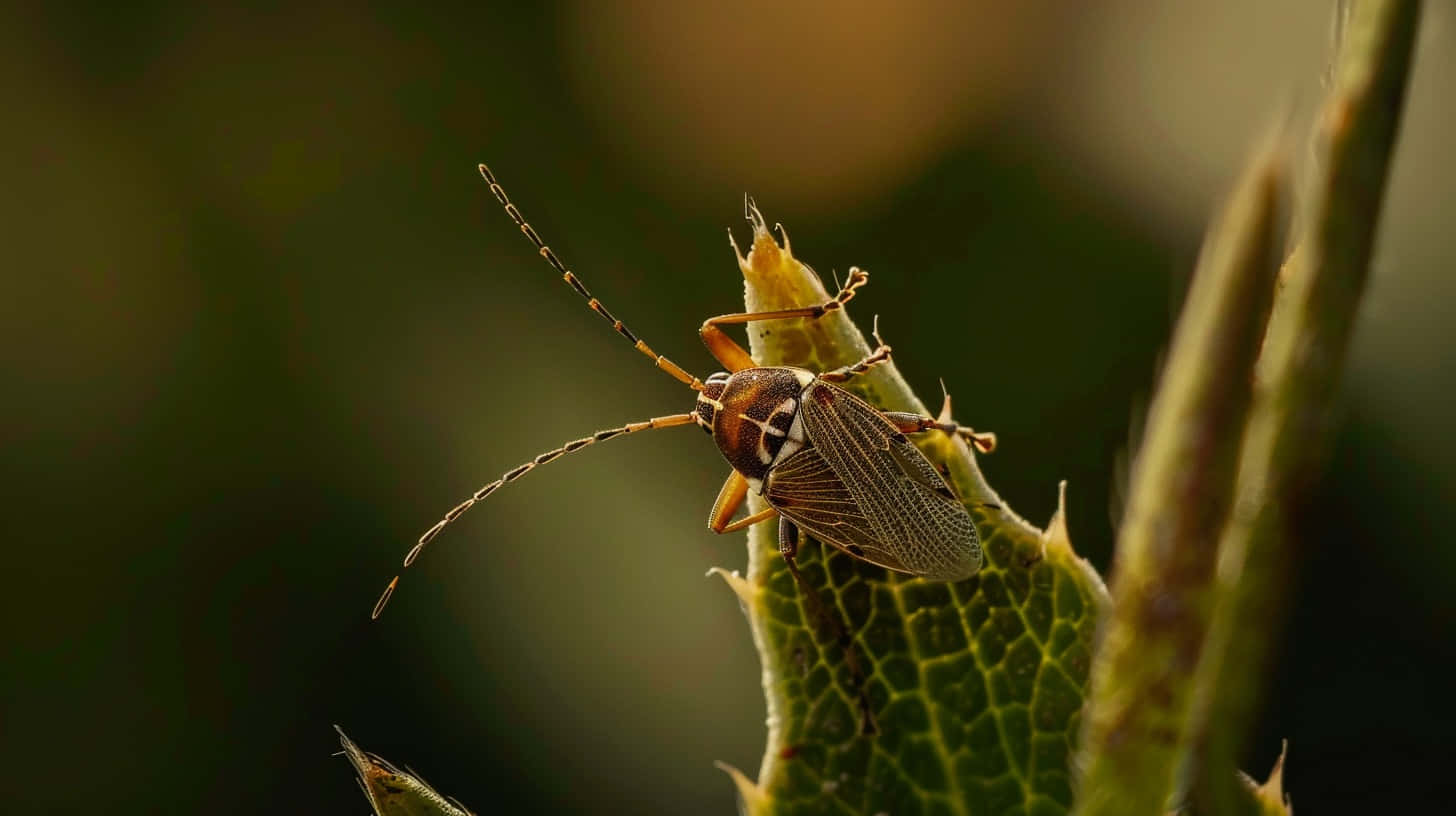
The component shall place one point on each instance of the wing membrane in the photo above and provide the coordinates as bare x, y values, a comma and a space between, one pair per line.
807, 491
862, 484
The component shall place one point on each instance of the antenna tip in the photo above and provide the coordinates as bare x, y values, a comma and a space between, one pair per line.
384, 598
484, 171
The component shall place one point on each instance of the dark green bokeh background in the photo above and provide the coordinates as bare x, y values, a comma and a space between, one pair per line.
262, 323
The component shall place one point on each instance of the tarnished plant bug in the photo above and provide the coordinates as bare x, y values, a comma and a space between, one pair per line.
821, 458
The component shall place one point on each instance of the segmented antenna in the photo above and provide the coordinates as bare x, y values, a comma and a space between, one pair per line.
673, 369
516, 473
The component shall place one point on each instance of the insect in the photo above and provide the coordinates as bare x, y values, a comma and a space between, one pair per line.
821, 458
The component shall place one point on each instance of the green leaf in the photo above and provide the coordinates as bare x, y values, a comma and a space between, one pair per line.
974, 688
392, 792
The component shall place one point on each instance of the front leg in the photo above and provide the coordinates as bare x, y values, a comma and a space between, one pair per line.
730, 498
733, 356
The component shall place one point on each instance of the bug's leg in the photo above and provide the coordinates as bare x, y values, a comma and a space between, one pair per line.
789, 549
881, 354
749, 520
733, 356
730, 498
839, 375
985, 442
789, 545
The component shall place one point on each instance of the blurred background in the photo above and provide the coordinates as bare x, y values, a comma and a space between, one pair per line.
262, 323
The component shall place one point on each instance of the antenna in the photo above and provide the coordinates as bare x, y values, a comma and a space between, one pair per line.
516, 473
673, 369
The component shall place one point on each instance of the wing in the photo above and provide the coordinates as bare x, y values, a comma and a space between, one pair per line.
898, 499
807, 491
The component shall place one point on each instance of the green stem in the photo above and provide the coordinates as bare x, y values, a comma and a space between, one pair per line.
1297, 377
1179, 494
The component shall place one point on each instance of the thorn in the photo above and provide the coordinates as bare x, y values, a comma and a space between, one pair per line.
755, 800
750, 212
733, 242
740, 585
784, 234
1055, 534
945, 414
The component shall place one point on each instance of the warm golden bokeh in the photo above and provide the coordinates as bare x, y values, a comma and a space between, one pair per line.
823, 104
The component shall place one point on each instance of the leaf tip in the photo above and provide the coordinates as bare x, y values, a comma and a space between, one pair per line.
770, 265
755, 800
764, 253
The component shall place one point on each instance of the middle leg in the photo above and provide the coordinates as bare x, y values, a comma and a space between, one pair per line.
881, 354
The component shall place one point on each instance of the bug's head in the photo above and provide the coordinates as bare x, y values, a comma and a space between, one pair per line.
710, 399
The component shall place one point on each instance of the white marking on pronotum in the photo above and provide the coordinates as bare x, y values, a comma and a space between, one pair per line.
790, 407
763, 424
795, 440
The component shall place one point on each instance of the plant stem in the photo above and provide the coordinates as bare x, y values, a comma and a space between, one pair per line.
1297, 376
1179, 494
